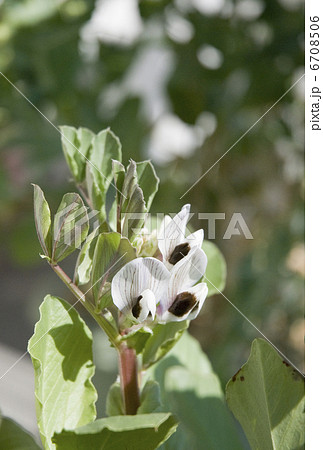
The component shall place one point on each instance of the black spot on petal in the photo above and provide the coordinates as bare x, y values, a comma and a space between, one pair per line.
183, 304
137, 308
179, 252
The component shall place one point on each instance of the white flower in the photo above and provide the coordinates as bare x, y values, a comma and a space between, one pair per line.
144, 288
183, 300
172, 242
139, 286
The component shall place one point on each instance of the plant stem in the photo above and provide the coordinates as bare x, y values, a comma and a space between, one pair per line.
106, 326
128, 370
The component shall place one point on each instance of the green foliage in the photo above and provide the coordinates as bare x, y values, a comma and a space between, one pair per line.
163, 339
112, 252
14, 437
267, 397
71, 226
76, 146
216, 271
149, 399
137, 338
42, 220
61, 352
148, 181
105, 148
193, 392
114, 403
144, 431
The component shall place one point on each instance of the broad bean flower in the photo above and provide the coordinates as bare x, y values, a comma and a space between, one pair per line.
147, 289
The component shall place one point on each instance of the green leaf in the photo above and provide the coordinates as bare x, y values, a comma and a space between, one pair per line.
144, 431
210, 418
216, 271
99, 174
267, 397
132, 205
150, 398
61, 352
105, 147
76, 145
148, 181
42, 220
71, 226
114, 404
14, 437
137, 338
111, 253
163, 339
193, 392
83, 267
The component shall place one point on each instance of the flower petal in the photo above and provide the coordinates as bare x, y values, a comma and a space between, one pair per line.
195, 239
186, 305
134, 278
145, 306
172, 232
200, 291
184, 275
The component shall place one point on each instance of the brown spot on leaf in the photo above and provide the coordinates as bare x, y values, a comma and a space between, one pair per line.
242, 378
235, 375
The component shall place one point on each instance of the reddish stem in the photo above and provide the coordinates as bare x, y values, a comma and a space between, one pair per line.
129, 379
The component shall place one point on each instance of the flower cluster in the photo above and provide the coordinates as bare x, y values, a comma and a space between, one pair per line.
147, 288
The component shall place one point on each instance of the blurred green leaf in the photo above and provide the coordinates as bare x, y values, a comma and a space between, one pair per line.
111, 253
144, 431
76, 145
14, 437
114, 403
267, 397
42, 220
216, 271
61, 352
193, 392
163, 339
71, 226
150, 398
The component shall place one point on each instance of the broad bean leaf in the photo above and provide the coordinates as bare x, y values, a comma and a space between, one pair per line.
148, 181
138, 338
76, 145
71, 226
216, 271
99, 174
142, 431
267, 397
132, 205
42, 221
191, 389
83, 266
61, 352
14, 437
164, 337
149, 399
114, 403
111, 253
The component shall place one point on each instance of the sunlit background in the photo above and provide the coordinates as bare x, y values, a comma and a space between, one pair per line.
179, 82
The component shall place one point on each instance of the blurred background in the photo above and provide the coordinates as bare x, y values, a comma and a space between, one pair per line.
179, 82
